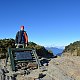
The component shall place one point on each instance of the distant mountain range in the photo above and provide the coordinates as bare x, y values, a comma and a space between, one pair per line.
55, 50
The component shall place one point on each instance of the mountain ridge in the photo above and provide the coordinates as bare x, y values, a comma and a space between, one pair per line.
55, 50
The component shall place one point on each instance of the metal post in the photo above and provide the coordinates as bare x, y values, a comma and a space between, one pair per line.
11, 59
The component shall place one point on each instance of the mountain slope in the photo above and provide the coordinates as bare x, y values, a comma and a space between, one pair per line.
56, 51
73, 49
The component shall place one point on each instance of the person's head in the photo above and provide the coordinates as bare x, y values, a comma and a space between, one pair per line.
22, 28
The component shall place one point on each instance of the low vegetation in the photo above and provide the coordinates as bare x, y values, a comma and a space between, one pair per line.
73, 48
6, 43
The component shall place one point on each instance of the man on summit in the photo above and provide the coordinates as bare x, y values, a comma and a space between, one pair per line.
21, 37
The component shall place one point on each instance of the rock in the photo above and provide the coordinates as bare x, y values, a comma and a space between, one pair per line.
41, 75
7, 77
78, 78
2, 71
64, 68
45, 64
5, 70
43, 68
32, 66
30, 78
2, 77
57, 63
27, 72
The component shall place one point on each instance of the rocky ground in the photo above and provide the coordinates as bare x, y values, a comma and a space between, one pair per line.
64, 68
61, 68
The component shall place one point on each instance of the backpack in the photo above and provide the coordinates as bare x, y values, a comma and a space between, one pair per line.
21, 37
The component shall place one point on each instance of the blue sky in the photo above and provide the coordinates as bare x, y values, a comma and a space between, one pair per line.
47, 22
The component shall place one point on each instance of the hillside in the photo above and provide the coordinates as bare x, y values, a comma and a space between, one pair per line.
73, 49
6, 43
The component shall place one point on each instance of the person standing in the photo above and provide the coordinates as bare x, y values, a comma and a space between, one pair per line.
21, 37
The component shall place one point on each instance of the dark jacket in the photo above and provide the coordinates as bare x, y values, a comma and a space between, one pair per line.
21, 37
